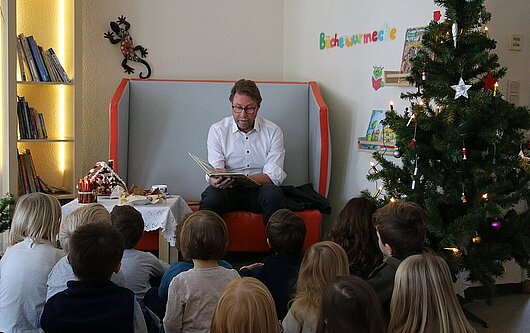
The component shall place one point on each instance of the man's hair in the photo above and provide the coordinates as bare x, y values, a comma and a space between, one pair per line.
203, 236
349, 304
246, 305
129, 222
95, 250
246, 87
402, 225
286, 232
89, 213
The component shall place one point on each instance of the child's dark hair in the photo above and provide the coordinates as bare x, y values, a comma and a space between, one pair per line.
203, 236
349, 304
355, 233
402, 225
286, 232
129, 222
95, 251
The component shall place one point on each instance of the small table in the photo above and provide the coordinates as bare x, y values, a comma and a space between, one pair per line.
162, 216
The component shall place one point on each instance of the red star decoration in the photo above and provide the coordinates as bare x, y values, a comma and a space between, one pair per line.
489, 82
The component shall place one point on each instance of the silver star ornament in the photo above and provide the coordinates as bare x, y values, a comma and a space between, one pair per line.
461, 89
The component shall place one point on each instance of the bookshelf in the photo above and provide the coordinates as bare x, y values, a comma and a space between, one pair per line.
54, 24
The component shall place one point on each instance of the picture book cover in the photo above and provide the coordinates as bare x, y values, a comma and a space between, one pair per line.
411, 47
376, 131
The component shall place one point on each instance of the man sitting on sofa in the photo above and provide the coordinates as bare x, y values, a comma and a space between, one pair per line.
249, 144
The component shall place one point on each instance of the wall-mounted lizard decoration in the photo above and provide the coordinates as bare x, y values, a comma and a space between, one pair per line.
121, 28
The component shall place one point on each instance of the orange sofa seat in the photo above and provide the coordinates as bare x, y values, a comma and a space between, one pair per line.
246, 230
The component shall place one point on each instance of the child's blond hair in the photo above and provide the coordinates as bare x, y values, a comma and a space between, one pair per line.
322, 263
90, 213
423, 287
37, 216
246, 305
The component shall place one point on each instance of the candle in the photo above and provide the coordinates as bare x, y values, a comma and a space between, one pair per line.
495, 86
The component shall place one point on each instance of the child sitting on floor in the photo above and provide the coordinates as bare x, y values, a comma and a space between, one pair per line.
322, 263
246, 305
62, 272
193, 294
355, 232
423, 300
401, 229
25, 266
178, 267
279, 272
137, 266
94, 304
349, 304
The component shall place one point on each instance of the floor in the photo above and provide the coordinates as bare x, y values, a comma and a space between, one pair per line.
506, 314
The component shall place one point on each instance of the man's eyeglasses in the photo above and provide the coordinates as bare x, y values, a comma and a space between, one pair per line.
247, 109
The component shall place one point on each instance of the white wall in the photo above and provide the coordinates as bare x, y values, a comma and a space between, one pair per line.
275, 40
344, 75
207, 39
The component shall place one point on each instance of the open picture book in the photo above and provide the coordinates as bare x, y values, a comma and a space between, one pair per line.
240, 179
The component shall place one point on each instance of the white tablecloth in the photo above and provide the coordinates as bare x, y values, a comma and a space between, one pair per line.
163, 215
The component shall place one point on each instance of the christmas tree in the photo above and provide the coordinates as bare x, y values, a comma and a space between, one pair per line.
460, 145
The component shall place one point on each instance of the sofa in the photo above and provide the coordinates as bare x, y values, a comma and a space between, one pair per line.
154, 123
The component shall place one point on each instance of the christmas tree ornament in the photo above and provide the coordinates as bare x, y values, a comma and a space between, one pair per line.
461, 89
477, 239
489, 82
463, 196
464, 151
415, 175
412, 143
454, 30
397, 153
406, 113
496, 224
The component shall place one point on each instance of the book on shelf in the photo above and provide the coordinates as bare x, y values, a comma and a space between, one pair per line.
21, 62
58, 65
378, 136
240, 179
29, 58
43, 74
411, 47
50, 189
48, 66
31, 123
29, 180
37, 63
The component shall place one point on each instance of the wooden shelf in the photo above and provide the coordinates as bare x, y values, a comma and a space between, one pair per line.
57, 159
395, 78
374, 146
45, 140
69, 83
